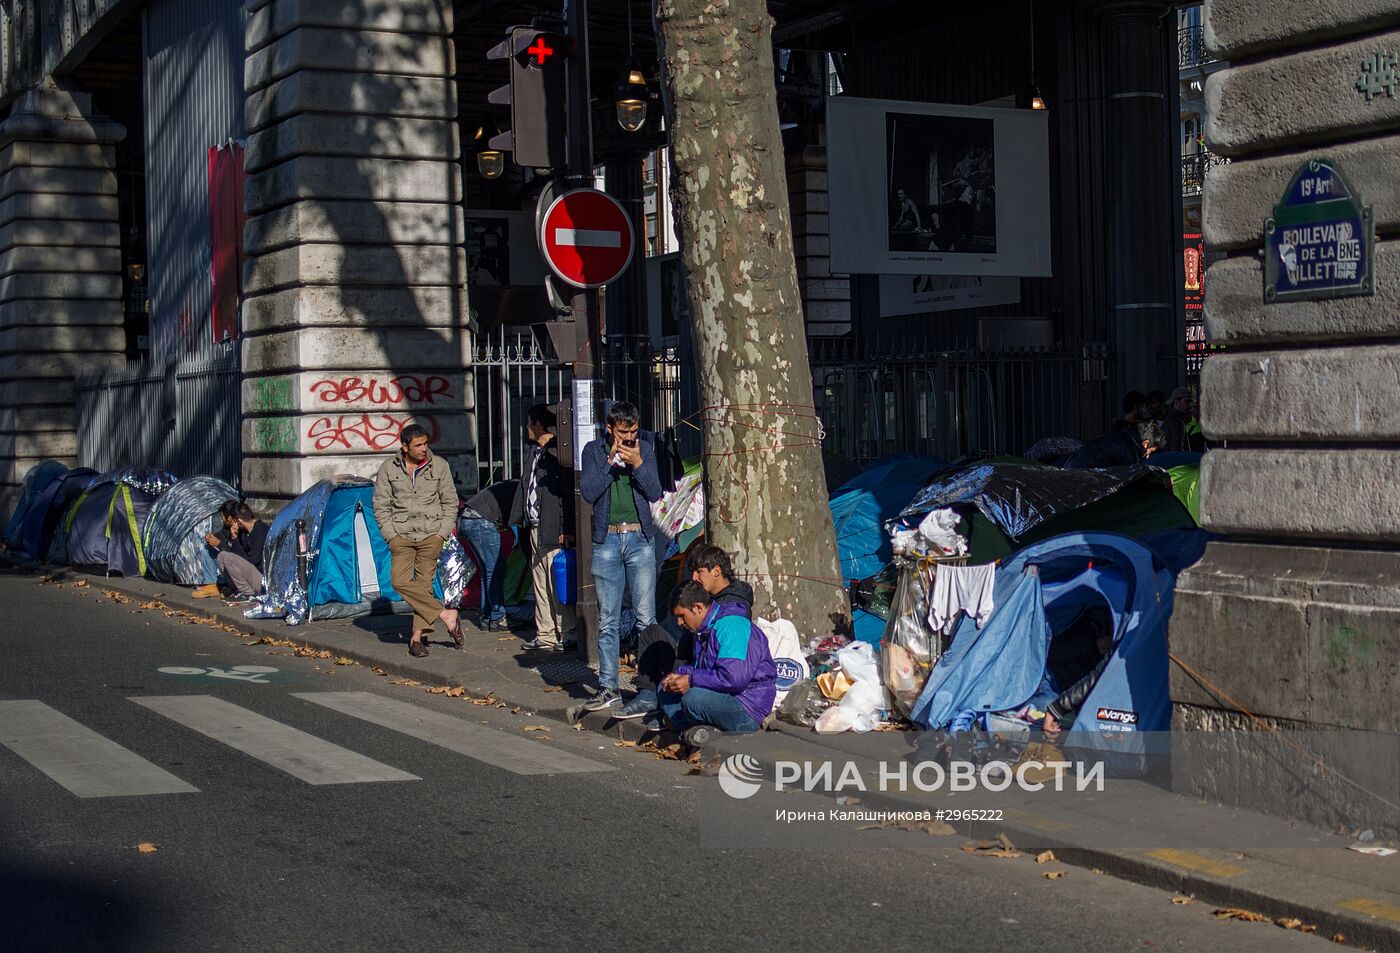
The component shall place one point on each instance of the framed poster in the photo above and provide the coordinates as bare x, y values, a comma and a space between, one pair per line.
931, 189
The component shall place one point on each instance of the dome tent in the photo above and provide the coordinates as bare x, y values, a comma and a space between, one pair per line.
104, 526
35, 532
347, 564
174, 532
36, 480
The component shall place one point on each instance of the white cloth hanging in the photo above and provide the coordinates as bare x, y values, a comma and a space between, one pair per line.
958, 589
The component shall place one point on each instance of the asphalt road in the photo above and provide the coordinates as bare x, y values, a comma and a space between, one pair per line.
477, 852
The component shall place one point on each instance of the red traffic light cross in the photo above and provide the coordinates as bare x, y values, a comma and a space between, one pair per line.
540, 51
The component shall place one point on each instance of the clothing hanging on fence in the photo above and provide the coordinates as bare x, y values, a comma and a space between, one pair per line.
670, 468
958, 589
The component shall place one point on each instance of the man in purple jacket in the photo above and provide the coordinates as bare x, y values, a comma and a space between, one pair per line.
732, 683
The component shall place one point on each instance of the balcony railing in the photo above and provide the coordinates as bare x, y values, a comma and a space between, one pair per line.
1194, 169
1191, 47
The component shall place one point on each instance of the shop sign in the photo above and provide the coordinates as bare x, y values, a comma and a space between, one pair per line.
1320, 240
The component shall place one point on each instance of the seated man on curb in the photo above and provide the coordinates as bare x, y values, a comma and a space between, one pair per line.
240, 552
731, 684
661, 645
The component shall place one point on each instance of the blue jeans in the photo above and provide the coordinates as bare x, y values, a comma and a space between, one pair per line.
486, 540
623, 563
701, 706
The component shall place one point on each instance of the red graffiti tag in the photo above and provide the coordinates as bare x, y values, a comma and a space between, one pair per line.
403, 389
363, 431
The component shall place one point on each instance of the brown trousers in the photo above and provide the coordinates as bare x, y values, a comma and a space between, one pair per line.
414, 563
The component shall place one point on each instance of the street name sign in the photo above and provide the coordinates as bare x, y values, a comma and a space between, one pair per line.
1320, 240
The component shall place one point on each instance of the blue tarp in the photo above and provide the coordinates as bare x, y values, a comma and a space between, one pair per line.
1037, 591
174, 534
861, 508
35, 533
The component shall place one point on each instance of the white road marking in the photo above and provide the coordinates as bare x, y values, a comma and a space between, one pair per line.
79, 758
288, 749
588, 237
519, 755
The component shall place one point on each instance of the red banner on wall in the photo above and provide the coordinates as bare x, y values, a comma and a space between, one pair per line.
225, 238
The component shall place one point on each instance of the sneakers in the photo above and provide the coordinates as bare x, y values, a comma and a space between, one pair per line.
210, 591
566, 646
639, 706
606, 698
535, 645
698, 736
653, 721
495, 625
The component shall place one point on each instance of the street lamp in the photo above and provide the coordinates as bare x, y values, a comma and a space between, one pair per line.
489, 162
630, 99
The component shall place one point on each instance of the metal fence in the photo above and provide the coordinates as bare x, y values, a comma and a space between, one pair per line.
1194, 169
513, 373
1191, 47
181, 414
951, 403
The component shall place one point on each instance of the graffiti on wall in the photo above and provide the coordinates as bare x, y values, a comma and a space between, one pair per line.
363, 431
397, 391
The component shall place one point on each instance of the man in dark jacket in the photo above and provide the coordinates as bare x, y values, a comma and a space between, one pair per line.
240, 551
619, 481
481, 522
544, 508
661, 645
1182, 430
732, 682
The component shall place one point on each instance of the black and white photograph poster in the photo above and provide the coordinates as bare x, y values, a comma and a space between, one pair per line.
965, 189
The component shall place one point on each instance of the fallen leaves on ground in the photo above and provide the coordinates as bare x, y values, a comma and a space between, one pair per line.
932, 828
48, 580
1293, 923
154, 604
306, 651
81, 584
1339, 938
451, 691
675, 751
405, 681
116, 596
577, 727
554, 688
1044, 857
378, 671
536, 727
489, 699
516, 710
1182, 901
146, 847
269, 640
345, 660
506, 638
1235, 913
1055, 874
624, 744
1001, 847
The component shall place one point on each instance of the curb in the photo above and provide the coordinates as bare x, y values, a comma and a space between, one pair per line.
1359, 930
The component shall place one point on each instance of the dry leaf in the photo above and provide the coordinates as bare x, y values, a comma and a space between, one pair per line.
1000, 852
1044, 857
306, 651
1055, 874
516, 710
80, 584
378, 671
490, 699
1099, 871
536, 727
1182, 901
624, 744
343, 660
116, 596
406, 681
1005, 842
1339, 938
146, 847
154, 604
1234, 913
451, 691
1293, 923
554, 688
46, 580
577, 727
506, 638
269, 640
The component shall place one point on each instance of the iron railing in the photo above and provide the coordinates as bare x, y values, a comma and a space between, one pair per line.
951, 403
1194, 169
1191, 47
184, 415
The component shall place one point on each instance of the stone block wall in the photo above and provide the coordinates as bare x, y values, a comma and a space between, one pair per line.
60, 274
355, 312
1295, 617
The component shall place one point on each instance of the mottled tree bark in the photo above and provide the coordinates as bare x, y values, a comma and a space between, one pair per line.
765, 488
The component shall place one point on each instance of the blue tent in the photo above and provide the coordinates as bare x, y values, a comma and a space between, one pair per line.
348, 564
35, 532
36, 480
1039, 592
104, 527
861, 508
174, 532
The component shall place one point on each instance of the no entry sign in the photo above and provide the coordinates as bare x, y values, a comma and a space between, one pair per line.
586, 238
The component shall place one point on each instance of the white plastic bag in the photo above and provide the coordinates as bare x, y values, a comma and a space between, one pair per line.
866, 696
857, 660
786, 649
940, 529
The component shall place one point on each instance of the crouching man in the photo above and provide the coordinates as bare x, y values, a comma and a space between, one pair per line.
732, 682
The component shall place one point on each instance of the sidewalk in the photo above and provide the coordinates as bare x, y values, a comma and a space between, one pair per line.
1339, 892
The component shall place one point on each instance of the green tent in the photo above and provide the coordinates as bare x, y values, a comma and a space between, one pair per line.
1186, 484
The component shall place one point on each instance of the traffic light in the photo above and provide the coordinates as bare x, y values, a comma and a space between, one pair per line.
537, 96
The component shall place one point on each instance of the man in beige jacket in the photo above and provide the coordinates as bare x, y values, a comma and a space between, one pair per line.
415, 505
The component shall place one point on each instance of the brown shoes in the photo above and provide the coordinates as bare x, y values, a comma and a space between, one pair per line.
417, 647
210, 591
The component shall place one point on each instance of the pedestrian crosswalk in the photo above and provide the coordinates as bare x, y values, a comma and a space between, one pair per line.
90, 764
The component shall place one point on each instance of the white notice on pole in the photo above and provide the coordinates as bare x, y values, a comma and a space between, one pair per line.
585, 424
